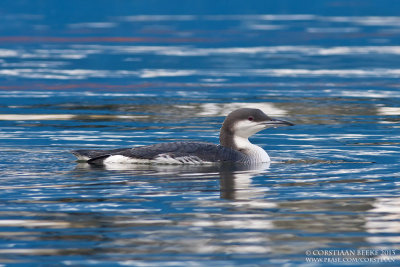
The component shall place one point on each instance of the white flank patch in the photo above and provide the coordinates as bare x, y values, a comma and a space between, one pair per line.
161, 159
119, 159
167, 159
81, 157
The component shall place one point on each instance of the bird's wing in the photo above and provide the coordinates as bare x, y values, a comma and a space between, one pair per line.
203, 151
180, 152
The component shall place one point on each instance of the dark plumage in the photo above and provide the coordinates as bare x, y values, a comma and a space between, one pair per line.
181, 151
234, 145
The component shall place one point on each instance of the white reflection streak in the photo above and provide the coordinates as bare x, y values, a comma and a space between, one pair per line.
372, 94
144, 18
268, 17
165, 73
352, 21
82, 51
388, 111
333, 29
36, 64
30, 117
365, 20
154, 73
350, 73
222, 109
8, 53
193, 51
24, 117
384, 218
360, 20
304, 50
34, 223
264, 27
96, 25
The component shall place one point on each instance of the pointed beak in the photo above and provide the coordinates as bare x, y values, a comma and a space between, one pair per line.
276, 123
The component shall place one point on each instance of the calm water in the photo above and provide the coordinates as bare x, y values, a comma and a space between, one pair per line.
108, 75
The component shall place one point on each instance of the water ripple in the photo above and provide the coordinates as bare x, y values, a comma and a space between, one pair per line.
106, 78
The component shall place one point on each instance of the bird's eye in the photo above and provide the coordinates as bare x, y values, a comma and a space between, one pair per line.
250, 118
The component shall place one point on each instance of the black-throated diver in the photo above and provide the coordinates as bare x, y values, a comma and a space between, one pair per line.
234, 145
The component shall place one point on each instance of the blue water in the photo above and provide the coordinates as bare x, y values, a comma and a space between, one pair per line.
109, 74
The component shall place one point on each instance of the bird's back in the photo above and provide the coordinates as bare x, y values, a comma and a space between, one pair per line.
174, 152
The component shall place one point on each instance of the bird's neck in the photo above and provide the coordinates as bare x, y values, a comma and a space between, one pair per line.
226, 138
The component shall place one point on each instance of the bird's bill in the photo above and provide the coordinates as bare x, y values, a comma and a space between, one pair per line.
277, 123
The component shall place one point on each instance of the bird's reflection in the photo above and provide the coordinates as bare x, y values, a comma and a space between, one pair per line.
235, 179
245, 205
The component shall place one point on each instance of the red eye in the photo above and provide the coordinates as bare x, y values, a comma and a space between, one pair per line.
250, 118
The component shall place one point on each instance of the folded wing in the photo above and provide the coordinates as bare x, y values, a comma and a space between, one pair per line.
175, 152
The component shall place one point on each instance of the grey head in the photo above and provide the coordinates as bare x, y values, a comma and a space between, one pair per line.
245, 122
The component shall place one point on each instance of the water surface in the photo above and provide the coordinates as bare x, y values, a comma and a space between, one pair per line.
120, 78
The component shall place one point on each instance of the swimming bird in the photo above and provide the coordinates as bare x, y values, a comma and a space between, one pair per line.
234, 145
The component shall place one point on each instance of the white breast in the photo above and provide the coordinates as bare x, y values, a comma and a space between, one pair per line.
259, 154
256, 153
